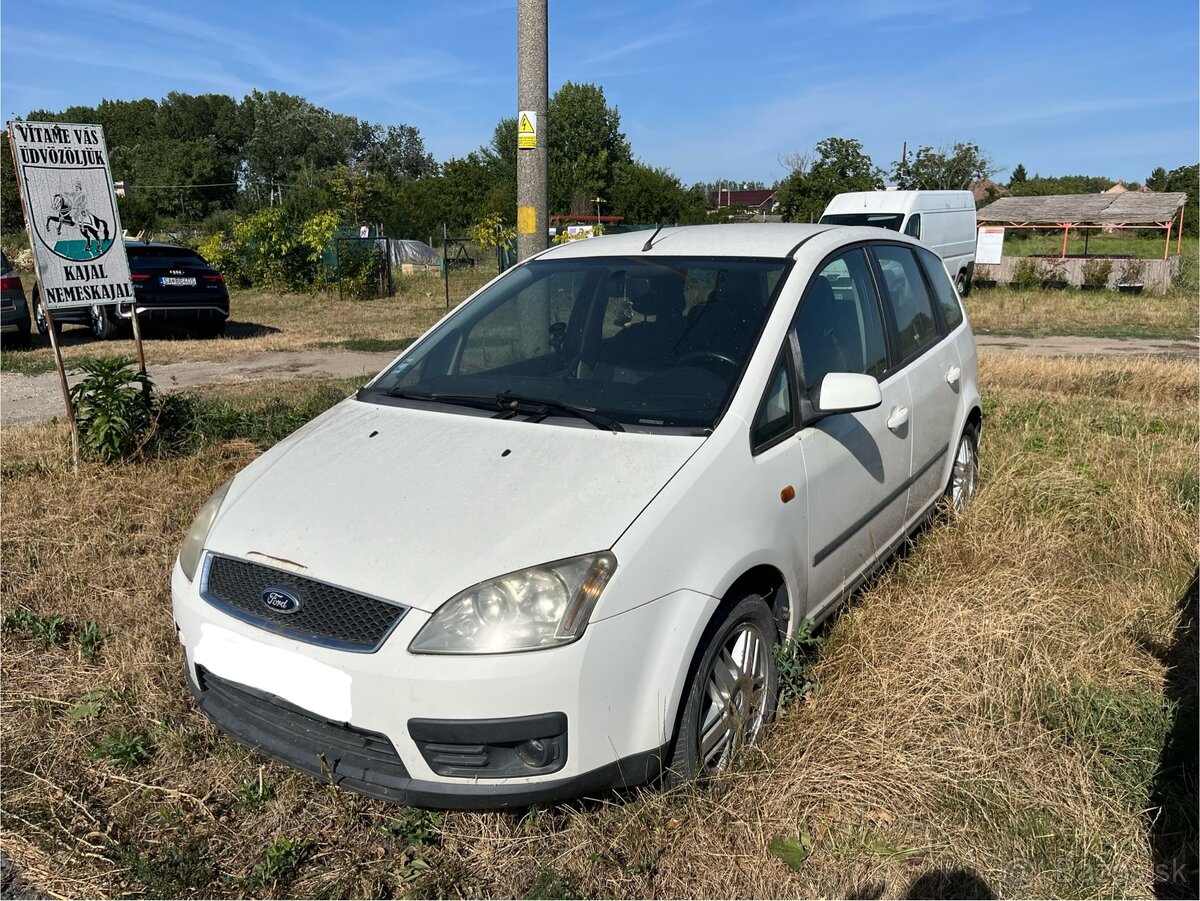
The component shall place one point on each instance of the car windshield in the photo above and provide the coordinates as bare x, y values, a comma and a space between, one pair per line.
878, 220
641, 342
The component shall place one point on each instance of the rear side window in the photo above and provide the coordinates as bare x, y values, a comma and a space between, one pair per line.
942, 289
839, 325
911, 304
914, 225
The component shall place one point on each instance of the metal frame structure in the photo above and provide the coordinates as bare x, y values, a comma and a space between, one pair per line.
1104, 216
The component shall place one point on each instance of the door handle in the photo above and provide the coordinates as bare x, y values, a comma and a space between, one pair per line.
953, 374
898, 419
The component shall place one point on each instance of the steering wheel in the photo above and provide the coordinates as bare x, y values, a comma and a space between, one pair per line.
710, 355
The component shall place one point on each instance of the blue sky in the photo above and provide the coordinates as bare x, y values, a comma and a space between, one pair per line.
707, 89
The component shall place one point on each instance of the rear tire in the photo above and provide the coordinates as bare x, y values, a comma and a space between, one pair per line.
102, 327
39, 317
964, 474
732, 692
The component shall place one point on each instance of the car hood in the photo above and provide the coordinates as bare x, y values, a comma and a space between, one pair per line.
414, 505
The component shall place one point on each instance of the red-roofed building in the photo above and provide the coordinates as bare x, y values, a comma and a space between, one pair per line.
760, 201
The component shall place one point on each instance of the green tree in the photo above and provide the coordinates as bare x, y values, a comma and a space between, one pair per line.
395, 152
11, 216
837, 165
1019, 175
1186, 179
1038, 185
645, 194
944, 169
585, 145
285, 134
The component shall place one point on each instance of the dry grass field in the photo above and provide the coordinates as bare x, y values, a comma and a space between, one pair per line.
1009, 711
1103, 314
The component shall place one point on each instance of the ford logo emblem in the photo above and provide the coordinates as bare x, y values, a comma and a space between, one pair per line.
280, 600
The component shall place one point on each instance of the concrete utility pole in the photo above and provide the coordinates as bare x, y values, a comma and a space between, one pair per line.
533, 90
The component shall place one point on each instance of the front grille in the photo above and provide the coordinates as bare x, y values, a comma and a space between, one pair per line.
354, 758
327, 615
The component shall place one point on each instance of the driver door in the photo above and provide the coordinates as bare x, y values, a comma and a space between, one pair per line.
857, 464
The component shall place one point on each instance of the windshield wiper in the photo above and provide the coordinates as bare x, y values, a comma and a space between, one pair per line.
508, 402
484, 401
516, 403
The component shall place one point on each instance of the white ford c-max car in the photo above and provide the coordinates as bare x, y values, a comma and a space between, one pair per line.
550, 549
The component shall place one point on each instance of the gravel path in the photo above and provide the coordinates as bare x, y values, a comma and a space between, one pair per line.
26, 399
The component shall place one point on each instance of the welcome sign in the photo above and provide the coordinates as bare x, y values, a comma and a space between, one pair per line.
72, 213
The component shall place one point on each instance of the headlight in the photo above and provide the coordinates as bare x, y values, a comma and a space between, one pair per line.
540, 607
193, 544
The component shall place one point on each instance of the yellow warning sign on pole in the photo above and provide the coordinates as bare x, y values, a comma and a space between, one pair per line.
527, 130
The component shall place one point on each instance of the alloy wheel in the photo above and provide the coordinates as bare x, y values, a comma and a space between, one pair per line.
965, 477
735, 692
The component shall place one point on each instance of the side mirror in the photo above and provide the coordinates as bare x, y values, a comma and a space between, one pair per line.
847, 392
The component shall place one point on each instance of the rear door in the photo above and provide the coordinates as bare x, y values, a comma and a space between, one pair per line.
856, 464
930, 363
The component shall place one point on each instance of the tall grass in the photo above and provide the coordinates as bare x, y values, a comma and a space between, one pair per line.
988, 717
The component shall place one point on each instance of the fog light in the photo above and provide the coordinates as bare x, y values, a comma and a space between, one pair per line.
535, 753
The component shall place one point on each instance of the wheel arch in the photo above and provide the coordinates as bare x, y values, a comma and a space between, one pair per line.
763, 579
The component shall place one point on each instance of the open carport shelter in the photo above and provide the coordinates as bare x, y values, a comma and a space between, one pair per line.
1131, 209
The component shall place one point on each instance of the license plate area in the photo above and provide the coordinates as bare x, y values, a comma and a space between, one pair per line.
177, 281
300, 680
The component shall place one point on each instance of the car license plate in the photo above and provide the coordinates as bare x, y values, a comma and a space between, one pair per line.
305, 682
174, 281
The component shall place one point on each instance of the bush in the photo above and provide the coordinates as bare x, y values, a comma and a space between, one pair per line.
1132, 272
114, 408
1026, 273
1186, 276
1052, 272
1096, 273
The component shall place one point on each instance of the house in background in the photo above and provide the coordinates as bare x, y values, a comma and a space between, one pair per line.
746, 205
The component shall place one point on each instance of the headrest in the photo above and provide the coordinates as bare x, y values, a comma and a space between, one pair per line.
820, 294
662, 298
742, 287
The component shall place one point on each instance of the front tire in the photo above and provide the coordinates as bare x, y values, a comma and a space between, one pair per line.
963, 283
964, 474
732, 693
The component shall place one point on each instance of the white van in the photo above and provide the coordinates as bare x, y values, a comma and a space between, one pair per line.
943, 220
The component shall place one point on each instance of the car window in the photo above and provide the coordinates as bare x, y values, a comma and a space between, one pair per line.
490, 342
946, 295
905, 289
889, 221
657, 342
839, 324
913, 227
776, 416
163, 257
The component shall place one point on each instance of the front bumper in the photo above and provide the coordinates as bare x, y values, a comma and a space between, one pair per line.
356, 719
367, 762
